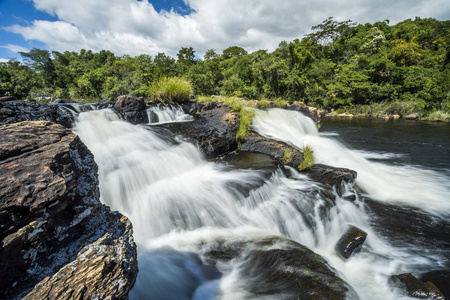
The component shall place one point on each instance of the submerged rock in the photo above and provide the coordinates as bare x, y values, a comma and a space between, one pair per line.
214, 128
416, 288
281, 267
18, 111
131, 109
51, 216
350, 242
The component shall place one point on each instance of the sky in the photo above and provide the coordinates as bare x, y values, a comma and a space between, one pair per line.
133, 27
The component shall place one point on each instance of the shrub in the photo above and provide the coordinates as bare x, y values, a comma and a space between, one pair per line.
245, 122
308, 158
438, 115
172, 89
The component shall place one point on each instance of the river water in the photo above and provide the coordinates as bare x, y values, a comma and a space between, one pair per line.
181, 205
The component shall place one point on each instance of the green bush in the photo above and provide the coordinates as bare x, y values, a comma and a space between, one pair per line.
308, 158
171, 89
438, 115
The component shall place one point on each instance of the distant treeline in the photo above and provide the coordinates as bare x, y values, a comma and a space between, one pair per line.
340, 64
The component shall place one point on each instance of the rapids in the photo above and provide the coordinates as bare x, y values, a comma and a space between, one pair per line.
179, 204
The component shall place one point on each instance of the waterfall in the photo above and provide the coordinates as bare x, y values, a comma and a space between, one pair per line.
407, 185
160, 114
179, 203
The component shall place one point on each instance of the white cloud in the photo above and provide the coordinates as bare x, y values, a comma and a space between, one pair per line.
3, 60
15, 48
134, 27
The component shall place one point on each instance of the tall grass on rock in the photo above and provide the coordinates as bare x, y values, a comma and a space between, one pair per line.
170, 89
245, 122
308, 158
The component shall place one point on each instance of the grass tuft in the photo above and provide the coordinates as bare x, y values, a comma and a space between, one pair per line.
287, 157
308, 158
245, 122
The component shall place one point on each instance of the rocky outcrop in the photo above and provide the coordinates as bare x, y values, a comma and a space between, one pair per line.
278, 151
333, 177
440, 278
214, 127
131, 109
50, 216
290, 271
18, 111
350, 242
416, 288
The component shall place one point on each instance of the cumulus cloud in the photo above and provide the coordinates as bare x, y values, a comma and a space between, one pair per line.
3, 60
15, 48
134, 27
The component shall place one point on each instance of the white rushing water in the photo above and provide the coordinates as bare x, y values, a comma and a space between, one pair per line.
161, 114
408, 185
180, 204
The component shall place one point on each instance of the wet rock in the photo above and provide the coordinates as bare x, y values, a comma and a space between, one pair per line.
131, 109
416, 288
214, 128
350, 242
440, 278
290, 271
278, 151
18, 111
50, 211
332, 176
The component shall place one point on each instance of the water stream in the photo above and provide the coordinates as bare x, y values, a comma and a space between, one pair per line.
180, 204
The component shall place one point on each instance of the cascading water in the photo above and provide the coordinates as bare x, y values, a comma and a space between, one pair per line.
409, 185
161, 114
178, 203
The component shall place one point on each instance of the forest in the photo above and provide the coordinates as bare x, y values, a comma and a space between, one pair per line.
341, 66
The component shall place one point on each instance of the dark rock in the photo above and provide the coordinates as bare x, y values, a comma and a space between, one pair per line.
50, 216
350, 242
214, 129
416, 288
332, 176
292, 272
18, 111
131, 109
276, 150
440, 278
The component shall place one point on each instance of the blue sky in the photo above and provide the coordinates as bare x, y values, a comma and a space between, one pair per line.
138, 26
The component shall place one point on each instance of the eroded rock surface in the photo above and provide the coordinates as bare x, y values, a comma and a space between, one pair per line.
214, 127
416, 288
131, 109
49, 211
18, 111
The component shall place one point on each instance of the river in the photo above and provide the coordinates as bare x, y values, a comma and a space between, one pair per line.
181, 205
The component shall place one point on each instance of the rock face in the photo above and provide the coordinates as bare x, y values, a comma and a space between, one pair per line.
352, 240
50, 216
18, 111
278, 151
131, 109
290, 272
214, 127
416, 288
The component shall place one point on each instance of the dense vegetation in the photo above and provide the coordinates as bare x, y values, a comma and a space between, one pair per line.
341, 65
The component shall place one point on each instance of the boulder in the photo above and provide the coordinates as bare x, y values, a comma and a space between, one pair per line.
440, 278
290, 271
416, 288
350, 242
214, 128
131, 109
18, 111
277, 150
54, 231
414, 116
332, 176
